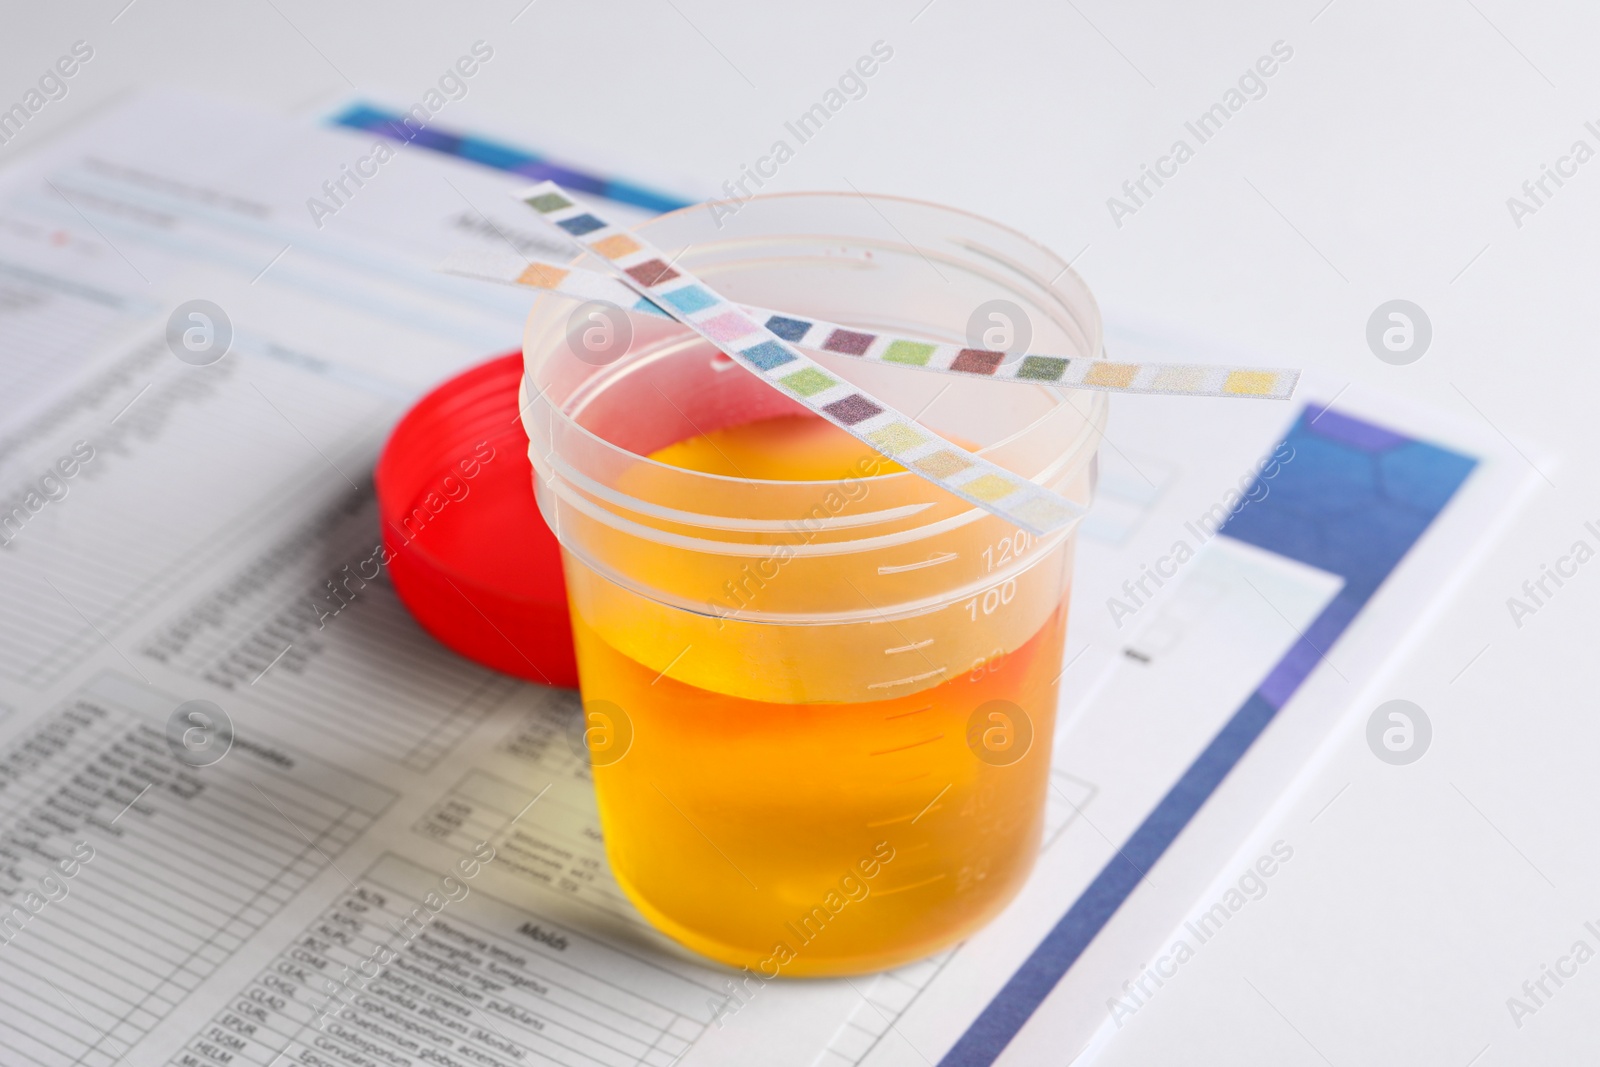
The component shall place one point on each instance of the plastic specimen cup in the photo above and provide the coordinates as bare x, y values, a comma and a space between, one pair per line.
823, 690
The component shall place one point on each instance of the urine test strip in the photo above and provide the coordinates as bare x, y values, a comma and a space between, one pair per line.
767, 355
816, 335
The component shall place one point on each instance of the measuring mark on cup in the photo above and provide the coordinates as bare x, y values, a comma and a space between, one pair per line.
912, 680
907, 747
908, 714
931, 561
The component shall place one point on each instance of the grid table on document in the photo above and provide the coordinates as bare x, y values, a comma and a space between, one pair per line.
300, 630
476, 982
555, 844
48, 330
186, 478
186, 865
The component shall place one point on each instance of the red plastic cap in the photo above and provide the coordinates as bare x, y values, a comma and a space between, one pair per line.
470, 555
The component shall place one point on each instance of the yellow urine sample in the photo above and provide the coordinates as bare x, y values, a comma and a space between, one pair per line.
817, 837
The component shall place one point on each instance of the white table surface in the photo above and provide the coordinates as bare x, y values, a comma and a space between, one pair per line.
1377, 166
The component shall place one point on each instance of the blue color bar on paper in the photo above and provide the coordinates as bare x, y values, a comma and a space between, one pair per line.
1352, 502
502, 157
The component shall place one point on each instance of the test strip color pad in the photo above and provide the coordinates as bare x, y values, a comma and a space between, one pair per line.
766, 354
816, 335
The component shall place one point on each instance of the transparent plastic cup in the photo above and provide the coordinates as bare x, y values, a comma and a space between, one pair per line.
820, 712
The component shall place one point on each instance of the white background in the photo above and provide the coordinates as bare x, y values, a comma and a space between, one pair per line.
1377, 166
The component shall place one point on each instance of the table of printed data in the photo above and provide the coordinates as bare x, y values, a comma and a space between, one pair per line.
380, 979
300, 631
172, 867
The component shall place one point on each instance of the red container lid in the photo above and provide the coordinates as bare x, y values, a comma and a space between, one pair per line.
470, 555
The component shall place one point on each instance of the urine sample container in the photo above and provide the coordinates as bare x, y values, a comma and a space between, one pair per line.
820, 692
